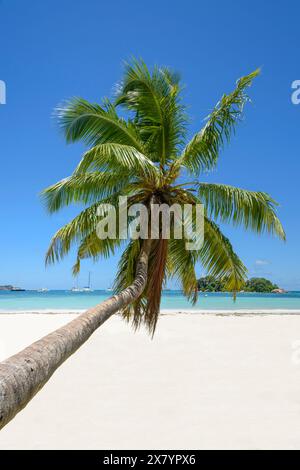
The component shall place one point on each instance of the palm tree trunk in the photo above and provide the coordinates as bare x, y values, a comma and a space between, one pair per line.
25, 373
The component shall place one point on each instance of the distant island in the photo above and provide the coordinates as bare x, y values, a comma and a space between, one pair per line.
12, 288
255, 284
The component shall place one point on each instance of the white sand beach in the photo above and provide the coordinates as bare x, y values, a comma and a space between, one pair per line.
203, 382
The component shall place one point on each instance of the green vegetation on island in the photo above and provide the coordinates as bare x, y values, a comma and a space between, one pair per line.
255, 284
259, 284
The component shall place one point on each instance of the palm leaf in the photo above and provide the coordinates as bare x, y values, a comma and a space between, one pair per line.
83, 225
81, 120
219, 259
93, 247
156, 278
145, 309
118, 157
202, 152
253, 210
155, 97
181, 266
84, 188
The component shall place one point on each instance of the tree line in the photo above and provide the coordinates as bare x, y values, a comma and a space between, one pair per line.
255, 284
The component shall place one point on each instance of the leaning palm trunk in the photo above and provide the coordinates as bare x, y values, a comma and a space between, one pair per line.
25, 373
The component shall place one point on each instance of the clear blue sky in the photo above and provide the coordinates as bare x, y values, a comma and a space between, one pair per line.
56, 49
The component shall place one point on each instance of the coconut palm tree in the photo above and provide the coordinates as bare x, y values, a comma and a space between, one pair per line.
147, 158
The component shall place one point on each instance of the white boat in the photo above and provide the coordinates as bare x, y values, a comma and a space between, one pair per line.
83, 289
76, 289
88, 287
43, 289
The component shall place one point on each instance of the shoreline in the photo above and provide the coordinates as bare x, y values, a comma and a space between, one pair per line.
184, 311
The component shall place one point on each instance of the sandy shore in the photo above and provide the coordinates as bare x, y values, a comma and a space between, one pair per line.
205, 382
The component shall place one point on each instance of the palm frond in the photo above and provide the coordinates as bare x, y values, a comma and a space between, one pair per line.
219, 259
116, 158
156, 278
181, 266
254, 210
93, 124
124, 277
93, 247
84, 224
84, 188
155, 99
202, 152
144, 310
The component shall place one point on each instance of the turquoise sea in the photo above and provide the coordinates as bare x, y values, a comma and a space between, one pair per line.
60, 300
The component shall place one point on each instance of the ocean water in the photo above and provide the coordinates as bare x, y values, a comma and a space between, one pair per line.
60, 300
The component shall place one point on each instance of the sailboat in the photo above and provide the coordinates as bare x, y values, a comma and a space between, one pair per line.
88, 287
76, 289
83, 289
